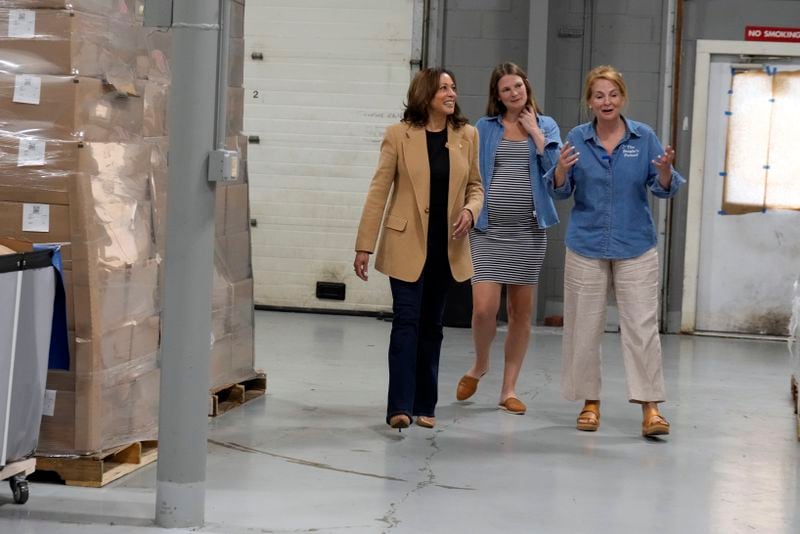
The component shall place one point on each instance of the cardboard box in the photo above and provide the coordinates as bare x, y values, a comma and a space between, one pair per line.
235, 111
111, 8
53, 217
61, 42
236, 62
106, 299
69, 108
219, 369
243, 354
233, 253
56, 172
103, 410
156, 102
237, 208
153, 56
242, 311
117, 349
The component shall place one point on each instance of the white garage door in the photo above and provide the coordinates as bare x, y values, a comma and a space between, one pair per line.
332, 77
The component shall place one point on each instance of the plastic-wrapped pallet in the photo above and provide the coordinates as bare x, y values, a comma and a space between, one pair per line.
232, 345
77, 171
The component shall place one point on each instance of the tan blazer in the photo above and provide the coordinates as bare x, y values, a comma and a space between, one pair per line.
403, 169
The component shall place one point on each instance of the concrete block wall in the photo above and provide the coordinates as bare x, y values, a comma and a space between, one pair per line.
478, 35
623, 33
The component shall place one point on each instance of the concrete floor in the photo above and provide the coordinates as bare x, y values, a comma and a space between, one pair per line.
315, 455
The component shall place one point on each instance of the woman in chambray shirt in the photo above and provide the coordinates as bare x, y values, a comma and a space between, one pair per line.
609, 165
517, 145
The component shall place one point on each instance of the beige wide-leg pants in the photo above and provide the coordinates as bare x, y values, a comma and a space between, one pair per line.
586, 285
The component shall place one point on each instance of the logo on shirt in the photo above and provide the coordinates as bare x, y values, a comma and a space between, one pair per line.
630, 151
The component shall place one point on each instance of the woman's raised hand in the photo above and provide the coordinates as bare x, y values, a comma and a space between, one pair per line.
566, 160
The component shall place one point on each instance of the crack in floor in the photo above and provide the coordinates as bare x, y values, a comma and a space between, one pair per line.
390, 516
300, 461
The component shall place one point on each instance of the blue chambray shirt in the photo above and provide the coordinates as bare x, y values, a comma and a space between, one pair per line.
611, 218
490, 132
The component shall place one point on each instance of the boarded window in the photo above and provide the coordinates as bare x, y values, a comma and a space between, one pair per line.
762, 164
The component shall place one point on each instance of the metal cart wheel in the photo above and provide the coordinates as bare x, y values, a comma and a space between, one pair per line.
19, 487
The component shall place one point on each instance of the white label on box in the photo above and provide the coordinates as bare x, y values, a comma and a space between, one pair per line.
31, 152
49, 408
35, 217
102, 111
27, 89
22, 23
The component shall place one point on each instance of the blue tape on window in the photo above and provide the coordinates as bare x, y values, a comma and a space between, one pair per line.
723, 173
729, 113
766, 167
721, 212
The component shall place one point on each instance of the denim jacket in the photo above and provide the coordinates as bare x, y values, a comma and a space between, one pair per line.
490, 132
611, 218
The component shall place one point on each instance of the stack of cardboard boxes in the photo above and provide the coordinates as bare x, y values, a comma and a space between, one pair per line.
232, 309
83, 93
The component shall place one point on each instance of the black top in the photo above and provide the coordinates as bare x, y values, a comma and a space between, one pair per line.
439, 162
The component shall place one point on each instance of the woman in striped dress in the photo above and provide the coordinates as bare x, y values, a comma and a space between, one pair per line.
517, 146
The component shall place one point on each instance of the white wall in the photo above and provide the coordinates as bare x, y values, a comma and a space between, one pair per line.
334, 75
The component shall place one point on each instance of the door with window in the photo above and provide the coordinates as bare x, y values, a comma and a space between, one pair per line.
746, 223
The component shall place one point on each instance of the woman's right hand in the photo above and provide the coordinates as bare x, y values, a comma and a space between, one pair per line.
361, 265
566, 160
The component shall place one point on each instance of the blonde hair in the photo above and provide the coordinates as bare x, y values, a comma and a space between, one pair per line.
604, 72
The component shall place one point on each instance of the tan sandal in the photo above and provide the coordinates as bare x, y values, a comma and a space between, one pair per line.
655, 425
513, 405
589, 419
467, 387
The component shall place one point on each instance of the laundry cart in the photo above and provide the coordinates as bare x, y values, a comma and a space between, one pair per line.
27, 288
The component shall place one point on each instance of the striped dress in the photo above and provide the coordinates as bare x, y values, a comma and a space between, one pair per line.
512, 249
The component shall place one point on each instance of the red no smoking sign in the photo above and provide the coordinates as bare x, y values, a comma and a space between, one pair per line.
771, 33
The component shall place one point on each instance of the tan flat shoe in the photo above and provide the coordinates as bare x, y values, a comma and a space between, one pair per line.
655, 425
513, 405
425, 421
589, 419
467, 387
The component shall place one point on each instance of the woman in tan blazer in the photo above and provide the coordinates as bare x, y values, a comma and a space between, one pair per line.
428, 173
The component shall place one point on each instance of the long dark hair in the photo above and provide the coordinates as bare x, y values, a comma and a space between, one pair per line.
494, 106
421, 92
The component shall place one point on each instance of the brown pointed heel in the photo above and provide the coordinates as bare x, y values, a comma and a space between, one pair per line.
399, 421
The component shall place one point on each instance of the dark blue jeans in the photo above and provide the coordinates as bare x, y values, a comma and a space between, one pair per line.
416, 341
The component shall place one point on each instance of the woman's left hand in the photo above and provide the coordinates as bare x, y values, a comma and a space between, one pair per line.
663, 164
527, 118
463, 224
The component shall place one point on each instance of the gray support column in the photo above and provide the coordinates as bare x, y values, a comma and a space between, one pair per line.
185, 347
537, 49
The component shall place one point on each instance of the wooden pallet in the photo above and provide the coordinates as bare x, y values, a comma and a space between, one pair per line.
224, 398
22, 467
99, 469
